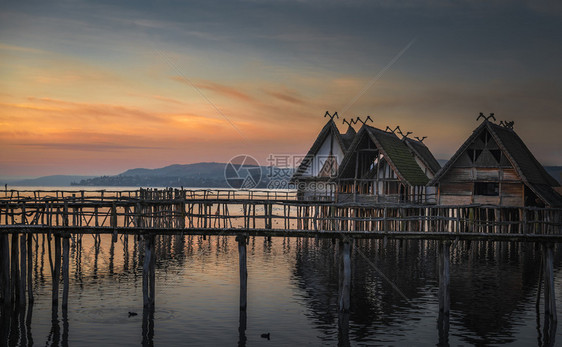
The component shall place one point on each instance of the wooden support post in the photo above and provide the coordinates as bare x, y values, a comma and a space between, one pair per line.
344, 297
246, 219
549, 288
138, 215
444, 279
5, 269
65, 270
242, 239
270, 216
65, 213
242, 322
253, 215
23, 269
114, 222
148, 276
181, 206
23, 214
56, 271
343, 329
145, 269
14, 268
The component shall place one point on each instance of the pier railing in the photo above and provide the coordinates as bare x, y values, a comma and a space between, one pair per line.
147, 194
264, 211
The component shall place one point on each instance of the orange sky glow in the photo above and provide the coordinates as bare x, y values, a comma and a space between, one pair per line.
86, 92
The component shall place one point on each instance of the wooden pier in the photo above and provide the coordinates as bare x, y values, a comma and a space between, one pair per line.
148, 213
267, 213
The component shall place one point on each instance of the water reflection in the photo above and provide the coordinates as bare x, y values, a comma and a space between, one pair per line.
148, 326
242, 328
294, 281
443, 329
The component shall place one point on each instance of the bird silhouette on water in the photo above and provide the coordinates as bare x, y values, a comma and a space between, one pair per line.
265, 336
131, 314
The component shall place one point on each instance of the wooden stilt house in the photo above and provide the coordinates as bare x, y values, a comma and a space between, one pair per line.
312, 177
495, 167
380, 167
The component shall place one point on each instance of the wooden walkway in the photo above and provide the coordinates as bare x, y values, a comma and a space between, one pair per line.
265, 213
62, 215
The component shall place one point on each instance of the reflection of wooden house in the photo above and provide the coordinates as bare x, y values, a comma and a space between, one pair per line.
380, 167
495, 167
322, 162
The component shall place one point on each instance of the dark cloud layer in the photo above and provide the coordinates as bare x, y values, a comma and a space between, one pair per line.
276, 66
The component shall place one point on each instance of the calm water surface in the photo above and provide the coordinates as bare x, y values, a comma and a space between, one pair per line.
292, 294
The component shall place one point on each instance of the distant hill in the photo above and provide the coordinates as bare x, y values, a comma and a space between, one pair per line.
210, 170
211, 175
49, 181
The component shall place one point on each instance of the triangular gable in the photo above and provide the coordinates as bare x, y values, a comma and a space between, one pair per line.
515, 155
487, 159
330, 129
351, 151
464, 155
399, 157
395, 153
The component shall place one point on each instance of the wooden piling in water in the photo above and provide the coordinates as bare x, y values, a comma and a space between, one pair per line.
30, 268
65, 270
6, 288
344, 300
148, 277
444, 279
242, 240
56, 270
23, 269
549, 288
15, 268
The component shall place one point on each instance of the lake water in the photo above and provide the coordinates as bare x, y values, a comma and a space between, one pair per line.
292, 294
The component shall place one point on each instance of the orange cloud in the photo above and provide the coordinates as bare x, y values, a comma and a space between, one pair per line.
288, 96
217, 88
20, 49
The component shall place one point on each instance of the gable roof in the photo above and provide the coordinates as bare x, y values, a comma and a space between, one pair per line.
330, 128
348, 137
424, 154
531, 172
395, 152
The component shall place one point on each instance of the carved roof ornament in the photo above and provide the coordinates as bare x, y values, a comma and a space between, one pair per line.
507, 124
392, 130
327, 114
404, 135
481, 115
359, 120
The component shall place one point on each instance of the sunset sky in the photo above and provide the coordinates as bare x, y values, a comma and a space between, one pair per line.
95, 88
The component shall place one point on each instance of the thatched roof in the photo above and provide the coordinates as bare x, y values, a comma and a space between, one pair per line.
424, 154
395, 152
348, 137
530, 171
344, 141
